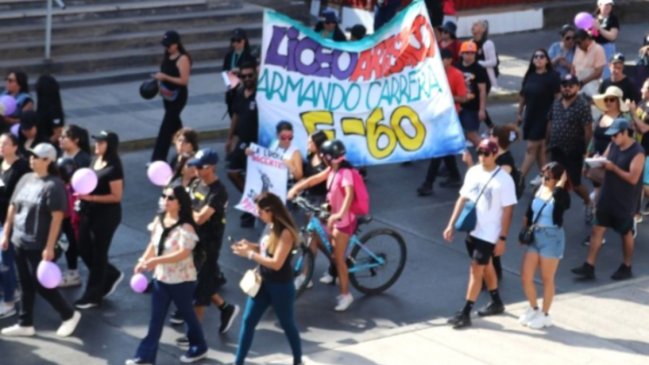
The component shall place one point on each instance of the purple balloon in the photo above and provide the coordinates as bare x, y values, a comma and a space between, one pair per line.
84, 180
159, 173
584, 20
15, 129
9, 103
139, 282
48, 274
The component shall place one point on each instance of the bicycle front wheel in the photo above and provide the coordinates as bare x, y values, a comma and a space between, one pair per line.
379, 261
302, 265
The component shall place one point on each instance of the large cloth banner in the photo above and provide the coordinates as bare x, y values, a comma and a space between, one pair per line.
266, 172
385, 96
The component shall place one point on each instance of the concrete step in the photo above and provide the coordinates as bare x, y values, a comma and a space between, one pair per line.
38, 4
102, 11
115, 60
128, 24
61, 46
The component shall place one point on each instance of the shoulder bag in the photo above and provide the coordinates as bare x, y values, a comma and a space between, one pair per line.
526, 235
468, 218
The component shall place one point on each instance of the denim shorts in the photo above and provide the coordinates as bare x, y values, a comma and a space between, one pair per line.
469, 120
548, 242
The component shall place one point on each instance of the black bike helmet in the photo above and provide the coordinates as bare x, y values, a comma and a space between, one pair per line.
66, 167
332, 150
149, 89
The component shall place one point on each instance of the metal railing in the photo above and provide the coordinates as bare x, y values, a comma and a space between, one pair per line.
48, 26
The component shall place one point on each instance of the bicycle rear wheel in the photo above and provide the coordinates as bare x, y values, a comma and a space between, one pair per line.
382, 243
302, 264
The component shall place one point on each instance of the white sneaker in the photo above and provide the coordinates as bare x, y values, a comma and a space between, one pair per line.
18, 331
7, 309
70, 278
326, 278
526, 317
540, 321
299, 280
343, 302
536, 181
67, 327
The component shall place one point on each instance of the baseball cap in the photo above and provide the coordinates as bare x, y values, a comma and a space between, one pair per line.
569, 79
487, 145
206, 156
618, 57
449, 27
108, 136
446, 53
358, 31
329, 16
618, 125
604, 2
239, 33
170, 37
468, 47
44, 150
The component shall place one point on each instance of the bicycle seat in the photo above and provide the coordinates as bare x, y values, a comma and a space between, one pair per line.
363, 219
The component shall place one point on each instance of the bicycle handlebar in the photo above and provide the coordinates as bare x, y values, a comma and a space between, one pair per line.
305, 204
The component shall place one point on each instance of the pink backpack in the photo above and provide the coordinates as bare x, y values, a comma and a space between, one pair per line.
361, 203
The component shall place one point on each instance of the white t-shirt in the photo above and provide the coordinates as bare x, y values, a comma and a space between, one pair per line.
286, 153
499, 193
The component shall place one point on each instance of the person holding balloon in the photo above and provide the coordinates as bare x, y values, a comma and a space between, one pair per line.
605, 30
32, 226
169, 256
12, 168
100, 215
16, 87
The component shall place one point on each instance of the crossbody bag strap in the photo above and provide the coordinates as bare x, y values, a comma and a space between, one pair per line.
485, 185
538, 215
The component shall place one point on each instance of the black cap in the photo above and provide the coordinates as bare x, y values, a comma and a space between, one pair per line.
569, 79
28, 120
618, 57
239, 33
449, 27
108, 136
358, 31
581, 34
170, 37
329, 16
446, 53
566, 28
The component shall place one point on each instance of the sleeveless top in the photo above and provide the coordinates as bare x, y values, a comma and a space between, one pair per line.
284, 274
310, 170
618, 196
600, 139
170, 68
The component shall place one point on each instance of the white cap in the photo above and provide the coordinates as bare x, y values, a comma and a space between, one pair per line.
44, 150
604, 2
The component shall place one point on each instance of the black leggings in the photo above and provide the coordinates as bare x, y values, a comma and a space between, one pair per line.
433, 169
72, 254
171, 123
27, 262
96, 231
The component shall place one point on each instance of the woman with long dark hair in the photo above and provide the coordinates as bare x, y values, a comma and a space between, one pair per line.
12, 168
605, 30
32, 226
169, 256
539, 89
17, 85
315, 164
173, 80
273, 255
49, 108
100, 215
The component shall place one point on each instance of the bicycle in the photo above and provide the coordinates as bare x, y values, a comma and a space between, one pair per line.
380, 251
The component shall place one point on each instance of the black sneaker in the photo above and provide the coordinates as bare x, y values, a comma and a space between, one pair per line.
176, 318
491, 309
460, 320
85, 303
111, 286
451, 183
247, 220
586, 271
623, 272
182, 342
228, 314
425, 190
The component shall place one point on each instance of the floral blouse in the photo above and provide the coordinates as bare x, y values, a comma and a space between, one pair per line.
183, 270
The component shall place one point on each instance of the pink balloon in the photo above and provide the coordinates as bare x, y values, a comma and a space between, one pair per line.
15, 129
84, 181
584, 20
159, 173
9, 104
139, 282
48, 274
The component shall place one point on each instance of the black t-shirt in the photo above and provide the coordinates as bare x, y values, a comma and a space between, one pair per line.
246, 108
8, 180
310, 170
215, 196
538, 91
111, 172
607, 23
506, 159
626, 85
474, 74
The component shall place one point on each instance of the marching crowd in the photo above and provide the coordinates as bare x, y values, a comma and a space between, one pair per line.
584, 121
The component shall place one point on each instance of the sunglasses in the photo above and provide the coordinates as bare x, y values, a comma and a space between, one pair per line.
484, 153
539, 56
236, 40
330, 22
610, 100
285, 137
167, 197
246, 76
568, 38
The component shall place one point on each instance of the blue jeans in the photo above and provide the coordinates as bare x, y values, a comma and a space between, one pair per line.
282, 297
609, 50
163, 294
8, 274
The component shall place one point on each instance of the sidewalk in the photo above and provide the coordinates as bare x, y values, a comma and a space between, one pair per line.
606, 325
